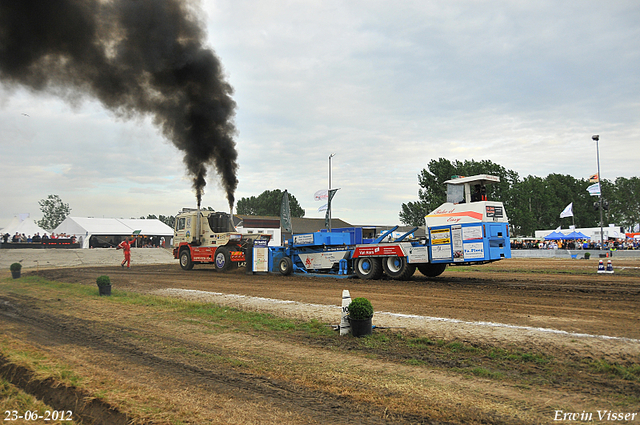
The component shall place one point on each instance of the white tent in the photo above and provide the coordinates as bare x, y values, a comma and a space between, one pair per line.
84, 228
26, 226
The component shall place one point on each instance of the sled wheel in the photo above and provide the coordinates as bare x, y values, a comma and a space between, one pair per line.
185, 260
368, 268
397, 268
285, 266
432, 270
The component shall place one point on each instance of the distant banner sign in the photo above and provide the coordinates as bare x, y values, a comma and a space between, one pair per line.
440, 236
441, 252
494, 211
471, 232
260, 259
321, 195
306, 239
594, 189
473, 250
456, 242
384, 250
418, 254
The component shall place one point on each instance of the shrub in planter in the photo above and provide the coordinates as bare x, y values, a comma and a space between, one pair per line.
15, 270
360, 309
104, 285
360, 314
587, 255
103, 281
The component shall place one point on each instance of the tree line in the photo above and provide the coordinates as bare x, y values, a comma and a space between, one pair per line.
531, 203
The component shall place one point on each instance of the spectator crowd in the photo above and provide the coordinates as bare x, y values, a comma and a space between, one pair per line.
22, 238
611, 244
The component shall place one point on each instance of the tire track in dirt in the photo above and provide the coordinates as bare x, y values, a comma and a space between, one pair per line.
46, 328
73, 402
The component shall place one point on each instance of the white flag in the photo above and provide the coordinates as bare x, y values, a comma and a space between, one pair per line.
568, 211
594, 189
323, 208
321, 195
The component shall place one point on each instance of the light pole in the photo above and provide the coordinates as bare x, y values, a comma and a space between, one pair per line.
329, 191
597, 140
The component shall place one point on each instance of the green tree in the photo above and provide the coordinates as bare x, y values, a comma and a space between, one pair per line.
624, 205
169, 220
54, 211
268, 204
529, 199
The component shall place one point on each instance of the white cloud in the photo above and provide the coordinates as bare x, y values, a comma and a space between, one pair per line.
387, 86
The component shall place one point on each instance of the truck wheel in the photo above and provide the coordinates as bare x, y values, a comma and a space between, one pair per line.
222, 259
397, 268
285, 266
432, 270
368, 268
185, 260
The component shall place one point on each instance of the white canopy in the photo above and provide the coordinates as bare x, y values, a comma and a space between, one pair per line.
85, 227
26, 226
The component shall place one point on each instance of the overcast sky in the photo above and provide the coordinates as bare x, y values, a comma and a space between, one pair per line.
387, 86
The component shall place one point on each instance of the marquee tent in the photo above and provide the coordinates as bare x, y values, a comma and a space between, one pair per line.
554, 236
26, 226
576, 235
96, 232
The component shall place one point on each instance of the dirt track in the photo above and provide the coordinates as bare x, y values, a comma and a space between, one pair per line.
586, 306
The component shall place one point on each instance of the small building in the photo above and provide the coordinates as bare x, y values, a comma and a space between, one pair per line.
249, 224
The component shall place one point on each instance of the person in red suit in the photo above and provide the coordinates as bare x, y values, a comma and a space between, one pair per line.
125, 246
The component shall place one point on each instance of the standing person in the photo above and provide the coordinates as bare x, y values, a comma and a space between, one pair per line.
125, 246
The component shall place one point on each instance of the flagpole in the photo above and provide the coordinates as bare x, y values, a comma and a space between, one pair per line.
329, 192
597, 139
573, 217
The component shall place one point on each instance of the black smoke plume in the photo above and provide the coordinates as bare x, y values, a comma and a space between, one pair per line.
138, 57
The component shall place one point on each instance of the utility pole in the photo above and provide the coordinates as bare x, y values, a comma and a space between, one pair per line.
597, 139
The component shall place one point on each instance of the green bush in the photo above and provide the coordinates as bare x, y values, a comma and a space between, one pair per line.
360, 309
103, 281
15, 267
587, 255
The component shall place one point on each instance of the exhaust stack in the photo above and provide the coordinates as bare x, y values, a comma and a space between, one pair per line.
233, 226
196, 237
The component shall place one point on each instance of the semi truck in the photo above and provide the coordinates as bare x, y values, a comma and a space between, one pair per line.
467, 229
209, 237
